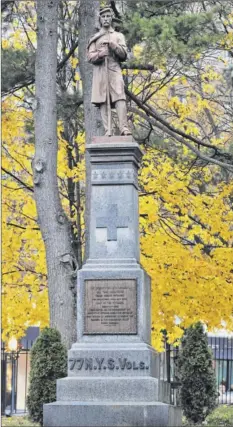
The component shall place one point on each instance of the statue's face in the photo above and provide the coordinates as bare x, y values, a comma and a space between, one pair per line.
106, 19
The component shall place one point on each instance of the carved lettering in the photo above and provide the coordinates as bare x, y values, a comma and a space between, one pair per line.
122, 363
141, 365
111, 364
128, 365
99, 362
88, 364
135, 367
79, 364
71, 364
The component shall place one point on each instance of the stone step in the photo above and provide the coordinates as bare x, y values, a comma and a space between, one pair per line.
85, 389
111, 414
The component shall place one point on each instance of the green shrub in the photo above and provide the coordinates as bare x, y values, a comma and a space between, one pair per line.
198, 384
48, 363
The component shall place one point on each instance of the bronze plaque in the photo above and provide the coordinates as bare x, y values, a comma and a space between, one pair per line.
110, 307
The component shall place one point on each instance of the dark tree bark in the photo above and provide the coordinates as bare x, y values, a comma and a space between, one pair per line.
70, 117
5, 4
88, 21
54, 225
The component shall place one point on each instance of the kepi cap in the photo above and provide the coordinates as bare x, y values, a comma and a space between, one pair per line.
105, 9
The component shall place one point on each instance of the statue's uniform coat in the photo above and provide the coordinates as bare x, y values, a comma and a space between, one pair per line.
116, 83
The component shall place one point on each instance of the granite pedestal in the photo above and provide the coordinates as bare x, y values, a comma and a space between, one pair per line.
113, 372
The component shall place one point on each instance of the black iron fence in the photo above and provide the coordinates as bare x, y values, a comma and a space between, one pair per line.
222, 350
15, 367
169, 371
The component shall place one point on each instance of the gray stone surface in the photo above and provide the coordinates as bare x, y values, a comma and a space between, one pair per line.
121, 389
113, 139
111, 414
117, 360
114, 214
113, 372
143, 389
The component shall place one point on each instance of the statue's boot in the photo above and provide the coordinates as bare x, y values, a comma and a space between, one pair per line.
125, 132
122, 117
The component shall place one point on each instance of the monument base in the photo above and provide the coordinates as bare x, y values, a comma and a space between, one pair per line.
111, 414
112, 385
113, 372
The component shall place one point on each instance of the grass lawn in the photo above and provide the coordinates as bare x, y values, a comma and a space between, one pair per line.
222, 416
17, 421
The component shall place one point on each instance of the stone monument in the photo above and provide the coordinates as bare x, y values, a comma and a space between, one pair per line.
113, 372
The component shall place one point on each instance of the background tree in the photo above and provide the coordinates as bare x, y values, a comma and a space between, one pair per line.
26, 279
197, 376
88, 23
54, 224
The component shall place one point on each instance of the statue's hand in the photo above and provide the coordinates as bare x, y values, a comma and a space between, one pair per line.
103, 51
113, 45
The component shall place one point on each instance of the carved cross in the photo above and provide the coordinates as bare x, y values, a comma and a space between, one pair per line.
112, 222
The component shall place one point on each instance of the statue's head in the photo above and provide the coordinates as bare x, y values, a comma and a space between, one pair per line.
106, 17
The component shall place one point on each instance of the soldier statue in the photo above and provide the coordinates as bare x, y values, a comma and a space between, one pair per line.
106, 49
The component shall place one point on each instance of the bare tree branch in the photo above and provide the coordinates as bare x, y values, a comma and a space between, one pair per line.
151, 112
183, 141
18, 180
20, 226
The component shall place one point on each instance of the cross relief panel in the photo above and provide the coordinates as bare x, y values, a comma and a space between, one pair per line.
112, 222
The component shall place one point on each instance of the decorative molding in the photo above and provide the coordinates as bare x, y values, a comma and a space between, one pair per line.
120, 176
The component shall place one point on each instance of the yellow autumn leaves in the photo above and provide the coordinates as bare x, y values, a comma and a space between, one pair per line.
186, 247
24, 290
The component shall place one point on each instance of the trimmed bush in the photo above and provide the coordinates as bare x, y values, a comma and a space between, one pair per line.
48, 363
196, 374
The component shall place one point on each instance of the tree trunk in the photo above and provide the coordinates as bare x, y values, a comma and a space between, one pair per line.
53, 223
88, 20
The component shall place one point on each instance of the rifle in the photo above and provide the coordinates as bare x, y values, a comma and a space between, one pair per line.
108, 97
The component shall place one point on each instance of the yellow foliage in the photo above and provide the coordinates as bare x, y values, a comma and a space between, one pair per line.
137, 50
24, 287
186, 282
77, 77
73, 62
23, 35
24, 275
